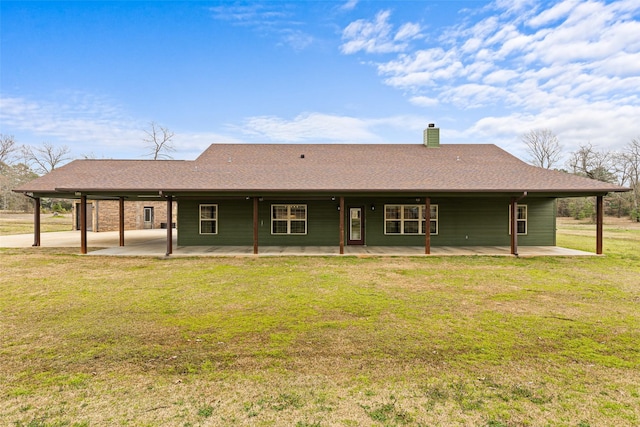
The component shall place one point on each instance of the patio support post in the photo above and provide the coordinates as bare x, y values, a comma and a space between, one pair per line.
514, 226
169, 225
83, 225
36, 221
341, 210
599, 222
121, 213
255, 226
427, 231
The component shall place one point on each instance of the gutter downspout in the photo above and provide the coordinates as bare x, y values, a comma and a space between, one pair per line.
514, 223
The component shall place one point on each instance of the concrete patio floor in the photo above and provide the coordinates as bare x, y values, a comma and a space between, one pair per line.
153, 243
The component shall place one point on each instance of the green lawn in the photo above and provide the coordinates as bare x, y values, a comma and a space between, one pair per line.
479, 341
23, 223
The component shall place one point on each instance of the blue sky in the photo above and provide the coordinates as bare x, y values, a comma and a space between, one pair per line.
93, 75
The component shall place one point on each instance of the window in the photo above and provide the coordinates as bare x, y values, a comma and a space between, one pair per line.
208, 219
288, 219
521, 223
409, 219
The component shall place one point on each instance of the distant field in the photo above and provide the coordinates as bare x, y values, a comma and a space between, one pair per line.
11, 223
621, 234
462, 341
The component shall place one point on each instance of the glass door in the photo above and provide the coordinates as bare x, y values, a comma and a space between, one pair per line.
356, 226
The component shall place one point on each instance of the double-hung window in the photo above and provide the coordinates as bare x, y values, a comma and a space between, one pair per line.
288, 219
409, 219
521, 220
208, 219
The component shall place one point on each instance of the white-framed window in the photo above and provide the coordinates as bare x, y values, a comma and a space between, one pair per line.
409, 219
288, 219
208, 219
521, 223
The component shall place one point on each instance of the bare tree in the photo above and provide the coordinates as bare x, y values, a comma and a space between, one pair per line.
158, 141
543, 147
46, 158
592, 163
628, 163
7, 148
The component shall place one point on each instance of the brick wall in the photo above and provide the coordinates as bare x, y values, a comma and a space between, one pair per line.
105, 215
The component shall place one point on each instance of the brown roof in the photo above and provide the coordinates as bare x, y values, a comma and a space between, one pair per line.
321, 168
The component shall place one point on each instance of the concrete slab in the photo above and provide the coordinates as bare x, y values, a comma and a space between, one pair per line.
71, 239
154, 243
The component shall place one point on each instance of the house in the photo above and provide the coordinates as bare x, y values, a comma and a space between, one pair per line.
427, 194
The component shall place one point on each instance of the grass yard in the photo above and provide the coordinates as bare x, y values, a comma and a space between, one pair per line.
11, 223
468, 341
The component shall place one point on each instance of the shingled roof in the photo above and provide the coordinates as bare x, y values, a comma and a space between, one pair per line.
264, 168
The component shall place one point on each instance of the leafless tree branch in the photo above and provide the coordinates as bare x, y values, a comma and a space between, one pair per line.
46, 158
7, 148
158, 141
543, 147
592, 163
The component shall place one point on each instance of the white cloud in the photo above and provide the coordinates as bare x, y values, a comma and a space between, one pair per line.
567, 65
267, 18
86, 123
297, 40
310, 127
500, 77
422, 68
473, 95
407, 31
349, 5
555, 13
377, 36
254, 14
81, 120
604, 124
424, 101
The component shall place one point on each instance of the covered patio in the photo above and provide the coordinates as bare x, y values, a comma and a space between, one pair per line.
153, 243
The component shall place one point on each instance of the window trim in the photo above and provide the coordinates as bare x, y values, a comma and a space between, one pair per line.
524, 220
289, 219
214, 219
421, 218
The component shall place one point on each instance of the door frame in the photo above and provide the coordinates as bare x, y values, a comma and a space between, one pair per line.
148, 224
350, 241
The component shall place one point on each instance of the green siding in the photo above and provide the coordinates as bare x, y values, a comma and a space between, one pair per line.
463, 221
323, 224
235, 223
485, 222
541, 223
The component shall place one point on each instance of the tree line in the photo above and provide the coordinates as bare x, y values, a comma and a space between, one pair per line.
21, 163
616, 167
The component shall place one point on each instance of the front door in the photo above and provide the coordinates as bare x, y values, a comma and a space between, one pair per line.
148, 218
356, 226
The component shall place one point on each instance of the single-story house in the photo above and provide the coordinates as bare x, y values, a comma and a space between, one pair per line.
425, 194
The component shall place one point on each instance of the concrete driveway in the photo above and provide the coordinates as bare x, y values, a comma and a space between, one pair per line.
154, 243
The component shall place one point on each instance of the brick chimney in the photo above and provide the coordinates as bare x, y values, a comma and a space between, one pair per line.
431, 136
